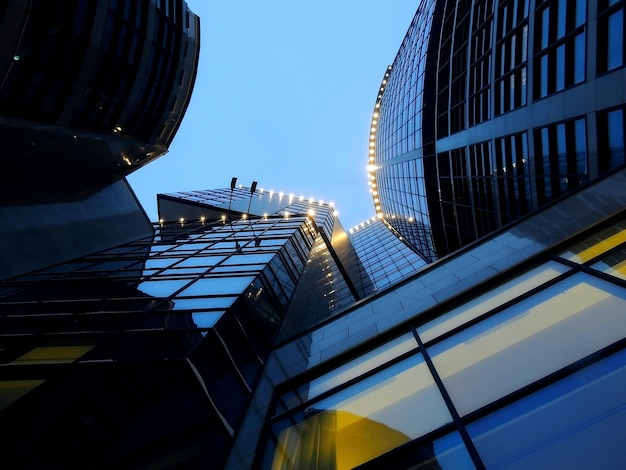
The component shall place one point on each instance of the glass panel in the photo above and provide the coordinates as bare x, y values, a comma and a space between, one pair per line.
12, 390
575, 423
596, 244
579, 58
206, 319
53, 354
204, 302
535, 337
490, 300
615, 127
218, 285
446, 453
613, 264
365, 420
201, 261
261, 258
616, 40
362, 364
162, 288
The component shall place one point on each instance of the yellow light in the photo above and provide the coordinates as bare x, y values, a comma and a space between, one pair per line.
336, 213
372, 168
311, 212
182, 220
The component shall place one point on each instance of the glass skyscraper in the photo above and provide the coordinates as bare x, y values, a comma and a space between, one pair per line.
491, 110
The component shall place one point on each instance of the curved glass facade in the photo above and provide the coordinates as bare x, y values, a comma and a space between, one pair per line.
493, 109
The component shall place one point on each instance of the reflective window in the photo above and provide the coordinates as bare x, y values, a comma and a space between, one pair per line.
613, 264
161, 288
362, 364
490, 300
610, 52
203, 302
560, 45
596, 244
575, 423
365, 420
537, 336
446, 453
218, 285
53, 354
11, 390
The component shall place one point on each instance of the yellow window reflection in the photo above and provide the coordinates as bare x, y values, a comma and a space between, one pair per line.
53, 354
11, 390
365, 420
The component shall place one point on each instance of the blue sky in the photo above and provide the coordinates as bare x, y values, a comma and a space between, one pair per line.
284, 96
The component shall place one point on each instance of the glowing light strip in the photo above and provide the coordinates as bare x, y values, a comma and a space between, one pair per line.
371, 165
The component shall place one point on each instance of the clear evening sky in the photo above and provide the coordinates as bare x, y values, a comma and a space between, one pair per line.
284, 96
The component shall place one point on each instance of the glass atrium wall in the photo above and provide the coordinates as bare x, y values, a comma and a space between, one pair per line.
522, 373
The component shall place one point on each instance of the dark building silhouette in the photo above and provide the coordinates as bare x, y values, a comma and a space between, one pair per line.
89, 92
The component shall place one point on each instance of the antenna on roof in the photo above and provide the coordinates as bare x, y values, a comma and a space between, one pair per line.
233, 183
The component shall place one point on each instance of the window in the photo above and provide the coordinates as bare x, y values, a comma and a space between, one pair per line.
610, 52
560, 45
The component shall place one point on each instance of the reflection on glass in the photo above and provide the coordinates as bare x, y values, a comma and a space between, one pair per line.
160, 262
206, 319
201, 261
364, 420
613, 264
596, 244
203, 302
259, 258
446, 453
362, 364
158, 288
486, 302
11, 390
53, 354
537, 336
575, 423
218, 285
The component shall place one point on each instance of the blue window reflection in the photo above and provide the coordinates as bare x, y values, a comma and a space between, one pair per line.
578, 422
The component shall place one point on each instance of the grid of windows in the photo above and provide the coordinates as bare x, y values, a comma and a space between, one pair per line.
511, 56
561, 158
203, 300
440, 391
386, 261
560, 33
480, 62
479, 72
400, 117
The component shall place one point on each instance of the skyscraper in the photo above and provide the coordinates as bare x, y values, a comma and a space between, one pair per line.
491, 110
89, 92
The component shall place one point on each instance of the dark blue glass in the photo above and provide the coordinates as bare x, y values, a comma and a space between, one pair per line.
578, 422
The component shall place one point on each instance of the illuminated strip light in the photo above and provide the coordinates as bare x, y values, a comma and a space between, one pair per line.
371, 163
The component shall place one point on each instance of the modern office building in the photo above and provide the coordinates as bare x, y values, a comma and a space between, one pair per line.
492, 109
146, 355
89, 92
508, 354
